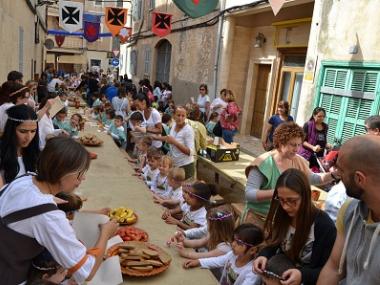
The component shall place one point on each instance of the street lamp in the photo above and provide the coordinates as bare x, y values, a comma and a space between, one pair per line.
259, 41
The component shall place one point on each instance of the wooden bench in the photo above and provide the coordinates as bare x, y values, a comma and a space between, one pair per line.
238, 209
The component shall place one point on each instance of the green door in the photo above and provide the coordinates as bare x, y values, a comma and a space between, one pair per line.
349, 96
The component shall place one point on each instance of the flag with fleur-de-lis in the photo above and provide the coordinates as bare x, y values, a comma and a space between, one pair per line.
161, 24
71, 15
115, 19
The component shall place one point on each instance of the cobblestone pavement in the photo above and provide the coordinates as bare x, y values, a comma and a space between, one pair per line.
250, 145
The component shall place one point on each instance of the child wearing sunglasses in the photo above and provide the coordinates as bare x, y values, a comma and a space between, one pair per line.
237, 264
196, 198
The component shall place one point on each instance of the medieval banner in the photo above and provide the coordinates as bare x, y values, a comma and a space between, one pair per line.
115, 19
59, 39
161, 24
91, 27
196, 8
70, 15
124, 34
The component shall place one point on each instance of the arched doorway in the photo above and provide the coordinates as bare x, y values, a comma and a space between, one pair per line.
164, 53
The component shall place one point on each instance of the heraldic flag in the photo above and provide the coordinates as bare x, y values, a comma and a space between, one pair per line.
91, 27
161, 24
124, 34
115, 19
196, 8
59, 39
70, 15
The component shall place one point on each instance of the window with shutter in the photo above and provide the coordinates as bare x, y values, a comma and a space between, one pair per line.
134, 62
349, 96
136, 9
21, 49
147, 60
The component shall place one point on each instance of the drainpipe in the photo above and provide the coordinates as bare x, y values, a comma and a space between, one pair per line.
218, 45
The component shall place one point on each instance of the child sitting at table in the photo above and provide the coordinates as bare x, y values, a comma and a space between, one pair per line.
59, 120
108, 119
45, 268
160, 182
99, 114
151, 169
74, 204
136, 121
76, 125
117, 132
196, 198
236, 264
98, 102
176, 177
142, 149
220, 223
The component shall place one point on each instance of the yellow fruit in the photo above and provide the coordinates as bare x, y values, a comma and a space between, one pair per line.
132, 219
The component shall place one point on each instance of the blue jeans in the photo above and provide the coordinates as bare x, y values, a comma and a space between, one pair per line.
228, 135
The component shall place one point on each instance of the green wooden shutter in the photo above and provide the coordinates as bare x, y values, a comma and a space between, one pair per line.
332, 105
349, 96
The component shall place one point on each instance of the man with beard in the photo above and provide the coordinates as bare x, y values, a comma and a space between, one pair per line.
356, 252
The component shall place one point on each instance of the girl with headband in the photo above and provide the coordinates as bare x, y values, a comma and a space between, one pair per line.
236, 264
11, 94
19, 149
196, 198
221, 223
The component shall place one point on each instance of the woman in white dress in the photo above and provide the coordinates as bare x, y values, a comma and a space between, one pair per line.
31, 221
20, 144
11, 93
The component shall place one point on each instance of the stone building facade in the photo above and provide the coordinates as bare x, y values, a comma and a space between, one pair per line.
76, 54
343, 70
263, 58
22, 35
185, 58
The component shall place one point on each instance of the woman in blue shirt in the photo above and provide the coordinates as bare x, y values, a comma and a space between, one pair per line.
280, 117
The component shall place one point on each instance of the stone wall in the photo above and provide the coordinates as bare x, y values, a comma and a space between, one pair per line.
337, 26
192, 56
17, 22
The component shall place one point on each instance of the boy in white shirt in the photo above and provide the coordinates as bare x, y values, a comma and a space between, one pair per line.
151, 169
160, 182
176, 177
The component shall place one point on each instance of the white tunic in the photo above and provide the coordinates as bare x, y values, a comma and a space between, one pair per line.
52, 229
232, 275
186, 137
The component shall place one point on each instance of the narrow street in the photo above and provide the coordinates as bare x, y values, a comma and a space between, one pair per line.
231, 142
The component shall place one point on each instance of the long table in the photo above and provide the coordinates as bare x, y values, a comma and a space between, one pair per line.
231, 180
109, 183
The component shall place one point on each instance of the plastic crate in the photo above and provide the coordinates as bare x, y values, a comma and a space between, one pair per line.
217, 154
